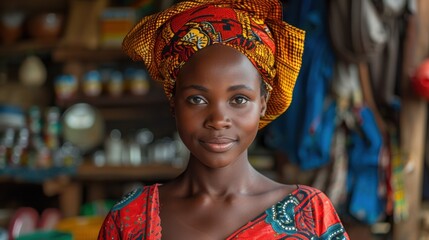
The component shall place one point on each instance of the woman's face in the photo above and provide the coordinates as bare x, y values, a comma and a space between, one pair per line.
218, 104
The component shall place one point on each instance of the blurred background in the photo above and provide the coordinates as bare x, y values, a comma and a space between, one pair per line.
81, 124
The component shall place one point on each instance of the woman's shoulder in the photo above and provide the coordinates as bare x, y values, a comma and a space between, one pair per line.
306, 209
307, 192
136, 214
307, 197
139, 197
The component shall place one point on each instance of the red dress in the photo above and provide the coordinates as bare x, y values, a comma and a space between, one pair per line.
306, 213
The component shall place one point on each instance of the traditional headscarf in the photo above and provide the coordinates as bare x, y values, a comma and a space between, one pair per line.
165, 41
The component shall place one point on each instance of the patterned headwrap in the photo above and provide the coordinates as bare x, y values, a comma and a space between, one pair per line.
165, 41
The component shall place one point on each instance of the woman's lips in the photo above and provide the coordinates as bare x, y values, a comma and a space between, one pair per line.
218, 145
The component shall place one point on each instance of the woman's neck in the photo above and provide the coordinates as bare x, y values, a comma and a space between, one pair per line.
236, 178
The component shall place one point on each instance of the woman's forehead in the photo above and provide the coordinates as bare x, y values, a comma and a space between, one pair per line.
219, 62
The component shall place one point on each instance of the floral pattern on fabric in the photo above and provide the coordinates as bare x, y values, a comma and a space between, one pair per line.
136, 216
306, 213
301, 214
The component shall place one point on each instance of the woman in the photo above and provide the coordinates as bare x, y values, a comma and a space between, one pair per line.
228, 69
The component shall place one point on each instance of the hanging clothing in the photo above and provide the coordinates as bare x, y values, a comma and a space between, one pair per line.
292, 133
306, 213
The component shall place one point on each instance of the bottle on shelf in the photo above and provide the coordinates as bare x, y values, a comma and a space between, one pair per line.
8, 142
19, 155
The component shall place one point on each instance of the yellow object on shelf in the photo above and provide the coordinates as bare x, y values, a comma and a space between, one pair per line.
114, 25
82, 228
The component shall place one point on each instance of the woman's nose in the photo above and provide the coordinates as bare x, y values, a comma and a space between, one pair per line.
218, 118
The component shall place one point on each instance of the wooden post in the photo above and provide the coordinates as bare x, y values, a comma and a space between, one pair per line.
413, 131
70, 199
413, 124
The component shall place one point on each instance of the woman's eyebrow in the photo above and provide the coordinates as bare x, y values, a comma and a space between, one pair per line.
197, 87
239, 87
230, 89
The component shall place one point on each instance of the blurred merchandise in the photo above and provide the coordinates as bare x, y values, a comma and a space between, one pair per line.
83, 126
35, 120
92, 85
26, 224
97, 208
44, 158
34, 151
68, 155
52, 129
35, 125
99, 158
420, 80
32, 71
20, 149
3, 234
115, 85
115, 23
66, 86
134, 153
83, 32
139, 147
46, 26
6, 148
38, 235
103, 81
11, 26
137, 81
82, 228
162, 151
49, 219
11, 116
114, 146
23, 221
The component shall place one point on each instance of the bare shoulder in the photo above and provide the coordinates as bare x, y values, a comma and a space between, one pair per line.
273, 189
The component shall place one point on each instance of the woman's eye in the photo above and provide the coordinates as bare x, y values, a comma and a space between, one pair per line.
239, 100
196, 100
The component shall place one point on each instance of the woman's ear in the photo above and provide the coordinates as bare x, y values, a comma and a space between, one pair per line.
264, 100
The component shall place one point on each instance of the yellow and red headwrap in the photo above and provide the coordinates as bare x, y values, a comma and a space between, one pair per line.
165, 41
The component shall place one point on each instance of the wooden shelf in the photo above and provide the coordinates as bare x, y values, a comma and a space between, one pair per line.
26, 47
126, 100
60, 53
89, 172
63, 54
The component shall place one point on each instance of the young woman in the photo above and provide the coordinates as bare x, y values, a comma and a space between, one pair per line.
228, 68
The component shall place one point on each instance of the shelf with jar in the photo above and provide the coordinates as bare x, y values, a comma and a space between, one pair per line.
105, 100
30, 145
31, 26
115, 89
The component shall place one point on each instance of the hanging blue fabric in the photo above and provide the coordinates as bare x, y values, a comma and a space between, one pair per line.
316, 145
366, 141
291, 130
